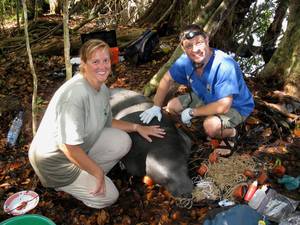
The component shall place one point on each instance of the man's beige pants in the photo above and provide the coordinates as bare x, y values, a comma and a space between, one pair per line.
111, 146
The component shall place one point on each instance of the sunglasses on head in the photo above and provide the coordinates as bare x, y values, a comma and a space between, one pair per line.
191, 34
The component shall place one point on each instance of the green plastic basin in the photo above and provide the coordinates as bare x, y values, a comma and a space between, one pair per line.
29, 219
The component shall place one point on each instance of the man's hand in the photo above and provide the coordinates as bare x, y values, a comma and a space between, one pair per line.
186, 116
149, 114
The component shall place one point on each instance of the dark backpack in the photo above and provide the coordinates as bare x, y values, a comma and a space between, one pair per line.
109, 37
140, 50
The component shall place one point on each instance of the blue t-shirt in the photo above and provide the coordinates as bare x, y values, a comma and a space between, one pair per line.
221, 77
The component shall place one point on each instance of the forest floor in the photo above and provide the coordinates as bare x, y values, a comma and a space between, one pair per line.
268, 136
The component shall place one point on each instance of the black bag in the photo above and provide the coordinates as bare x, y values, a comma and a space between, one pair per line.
109, 37
140, 50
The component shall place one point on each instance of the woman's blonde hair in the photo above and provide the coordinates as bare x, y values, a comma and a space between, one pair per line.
88, 48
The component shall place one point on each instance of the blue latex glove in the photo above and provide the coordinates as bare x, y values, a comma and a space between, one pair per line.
289, 182
149, 114
185, 116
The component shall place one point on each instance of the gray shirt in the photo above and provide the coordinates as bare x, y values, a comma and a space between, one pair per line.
75, 115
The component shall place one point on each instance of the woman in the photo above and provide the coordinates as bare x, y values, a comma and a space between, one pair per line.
78, 142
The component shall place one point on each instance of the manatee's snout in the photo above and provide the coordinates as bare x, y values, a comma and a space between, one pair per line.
181, 187
186, 195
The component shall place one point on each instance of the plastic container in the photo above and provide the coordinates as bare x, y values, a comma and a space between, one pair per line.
251, 190
258, 197
15, 129
30, 219
114, 55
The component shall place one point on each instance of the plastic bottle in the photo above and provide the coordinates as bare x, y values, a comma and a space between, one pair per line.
15, 129
258, 196
251, 190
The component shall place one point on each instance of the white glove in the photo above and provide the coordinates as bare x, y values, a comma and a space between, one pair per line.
149, 114
186, 116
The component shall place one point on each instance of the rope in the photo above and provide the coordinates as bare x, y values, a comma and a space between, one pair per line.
206, 189
227, 173
221, 179
184, 202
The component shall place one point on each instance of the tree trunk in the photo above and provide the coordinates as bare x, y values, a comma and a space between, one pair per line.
219, 16
67, 40
92, 15
155, 11
35, 81
213, 24
55, 6
223, 39
17, 13
173, 12
283, 70
2, 13
269, 40
30, 4
151, 86
205, 13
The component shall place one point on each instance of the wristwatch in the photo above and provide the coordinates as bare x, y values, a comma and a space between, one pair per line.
191, 113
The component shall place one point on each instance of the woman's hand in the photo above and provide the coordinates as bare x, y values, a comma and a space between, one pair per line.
77, 156
100, 184
144, 131
147, 131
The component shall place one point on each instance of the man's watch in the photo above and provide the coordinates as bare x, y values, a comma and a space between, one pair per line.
191, 113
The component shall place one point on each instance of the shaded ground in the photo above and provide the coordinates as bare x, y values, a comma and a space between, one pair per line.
265, 136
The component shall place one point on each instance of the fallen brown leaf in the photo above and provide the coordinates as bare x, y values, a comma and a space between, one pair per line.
103, 217
252, 120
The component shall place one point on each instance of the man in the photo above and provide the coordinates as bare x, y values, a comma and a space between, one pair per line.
219, 92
